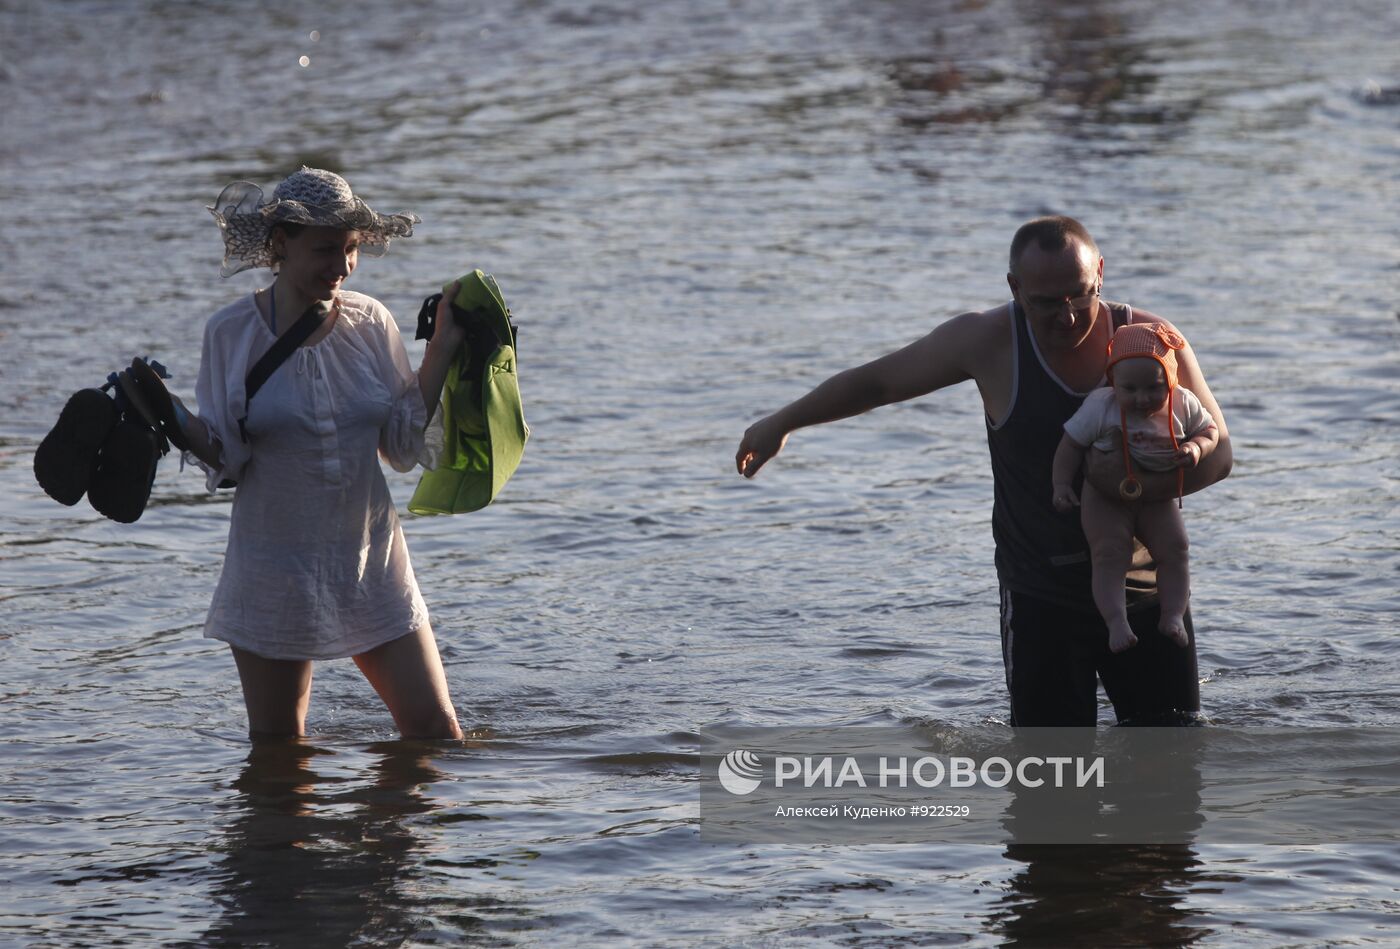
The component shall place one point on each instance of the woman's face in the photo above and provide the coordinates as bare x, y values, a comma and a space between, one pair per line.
317, 260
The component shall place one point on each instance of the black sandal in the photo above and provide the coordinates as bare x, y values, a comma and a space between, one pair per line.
126, 470
66, 459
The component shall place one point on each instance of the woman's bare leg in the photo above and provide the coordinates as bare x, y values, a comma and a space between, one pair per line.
1164, 532
407, 674
276, 692
1108, 526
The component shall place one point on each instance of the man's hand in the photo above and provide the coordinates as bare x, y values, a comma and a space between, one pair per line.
763, 439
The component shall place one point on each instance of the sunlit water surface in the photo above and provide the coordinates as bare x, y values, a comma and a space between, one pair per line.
697, 211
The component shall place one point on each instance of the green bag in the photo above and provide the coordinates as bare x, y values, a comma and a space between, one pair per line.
483, 422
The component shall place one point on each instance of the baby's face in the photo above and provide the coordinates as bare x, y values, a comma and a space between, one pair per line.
1140, 385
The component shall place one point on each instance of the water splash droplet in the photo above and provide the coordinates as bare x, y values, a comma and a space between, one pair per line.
315, 36
305, 61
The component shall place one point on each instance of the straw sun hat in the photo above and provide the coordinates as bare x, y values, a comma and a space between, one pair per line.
310, 196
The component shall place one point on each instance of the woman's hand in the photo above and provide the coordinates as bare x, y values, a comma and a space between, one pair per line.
446, 333
441, 350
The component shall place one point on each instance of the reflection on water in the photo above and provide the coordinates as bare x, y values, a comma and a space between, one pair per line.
299, 861
1076, 67
1102, 896
1093, 64
1108, 895
308, 855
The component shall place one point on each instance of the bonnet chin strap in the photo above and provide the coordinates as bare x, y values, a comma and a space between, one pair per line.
1130, 488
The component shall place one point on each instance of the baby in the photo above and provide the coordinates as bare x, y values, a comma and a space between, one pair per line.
1165, 428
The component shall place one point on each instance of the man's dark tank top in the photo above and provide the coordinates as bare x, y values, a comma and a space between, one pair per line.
1040, 551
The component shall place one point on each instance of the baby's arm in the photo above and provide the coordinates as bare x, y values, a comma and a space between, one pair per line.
1190, 452
1067, 460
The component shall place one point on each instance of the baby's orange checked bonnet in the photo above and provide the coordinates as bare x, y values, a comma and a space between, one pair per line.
1146, 339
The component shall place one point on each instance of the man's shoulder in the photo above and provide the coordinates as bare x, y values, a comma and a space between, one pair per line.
982, 341
982, 327
998, 317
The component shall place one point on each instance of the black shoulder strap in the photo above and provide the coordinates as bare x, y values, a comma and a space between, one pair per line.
263, 369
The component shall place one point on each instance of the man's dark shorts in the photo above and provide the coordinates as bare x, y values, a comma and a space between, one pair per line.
1055, 657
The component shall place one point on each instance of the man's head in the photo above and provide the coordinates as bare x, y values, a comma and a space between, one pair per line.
1056, 274
1049, 234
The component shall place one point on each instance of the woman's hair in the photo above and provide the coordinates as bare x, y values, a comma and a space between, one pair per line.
290, 228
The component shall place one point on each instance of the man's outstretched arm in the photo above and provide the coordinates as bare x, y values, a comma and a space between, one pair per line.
942, 358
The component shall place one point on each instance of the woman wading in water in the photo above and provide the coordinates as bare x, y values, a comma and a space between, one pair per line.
316, 566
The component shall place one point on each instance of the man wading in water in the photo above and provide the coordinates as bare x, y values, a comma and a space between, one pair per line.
1034, 360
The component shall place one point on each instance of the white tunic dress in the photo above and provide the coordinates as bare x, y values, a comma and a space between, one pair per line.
316, 566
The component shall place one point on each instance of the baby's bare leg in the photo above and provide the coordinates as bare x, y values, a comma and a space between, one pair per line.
1163, 530
1108, 526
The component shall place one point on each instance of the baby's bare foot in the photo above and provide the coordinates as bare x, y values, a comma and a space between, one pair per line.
1174, 628
1120, 636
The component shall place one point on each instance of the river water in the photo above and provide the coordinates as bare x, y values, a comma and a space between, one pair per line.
697, 210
